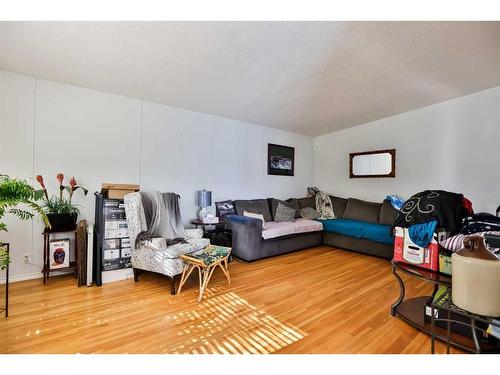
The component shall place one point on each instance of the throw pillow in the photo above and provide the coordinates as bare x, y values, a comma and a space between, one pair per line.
224, 208
284, 213
292, 203
256, 216
309, 213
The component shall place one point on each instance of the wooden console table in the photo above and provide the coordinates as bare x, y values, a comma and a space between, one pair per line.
412, 310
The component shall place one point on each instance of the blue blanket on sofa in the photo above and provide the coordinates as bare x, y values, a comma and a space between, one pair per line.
359, 229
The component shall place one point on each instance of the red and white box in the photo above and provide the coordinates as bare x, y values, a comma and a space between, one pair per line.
405, 250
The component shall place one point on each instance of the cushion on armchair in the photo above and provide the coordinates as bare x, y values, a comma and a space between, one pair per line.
194, 233
173, 251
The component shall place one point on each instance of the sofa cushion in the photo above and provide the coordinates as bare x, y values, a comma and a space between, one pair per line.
278, 229
258, 206
360, 229
292, 203
387, 213
307, 202
338, 206
357, 209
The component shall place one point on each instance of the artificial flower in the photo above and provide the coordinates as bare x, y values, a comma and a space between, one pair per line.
39, 178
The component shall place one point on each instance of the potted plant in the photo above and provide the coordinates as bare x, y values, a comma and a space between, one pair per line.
61, 212
13, 192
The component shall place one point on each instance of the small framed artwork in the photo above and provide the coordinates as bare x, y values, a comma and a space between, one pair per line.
59, 253
280, 160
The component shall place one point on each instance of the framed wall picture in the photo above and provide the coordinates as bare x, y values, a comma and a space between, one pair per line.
280, 160
59, 253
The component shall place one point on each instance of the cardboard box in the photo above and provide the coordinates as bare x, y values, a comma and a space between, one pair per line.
405, 250
118, 191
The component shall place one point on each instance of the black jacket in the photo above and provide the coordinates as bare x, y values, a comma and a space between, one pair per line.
429, 205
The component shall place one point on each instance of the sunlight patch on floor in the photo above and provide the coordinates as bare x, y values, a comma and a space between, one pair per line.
228, 324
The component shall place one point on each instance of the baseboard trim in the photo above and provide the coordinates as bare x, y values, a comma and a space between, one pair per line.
108, 277
27, 276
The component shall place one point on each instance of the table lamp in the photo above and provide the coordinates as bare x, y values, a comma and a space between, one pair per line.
203, 200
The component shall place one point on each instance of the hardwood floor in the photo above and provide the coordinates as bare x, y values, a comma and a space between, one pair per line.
320, 300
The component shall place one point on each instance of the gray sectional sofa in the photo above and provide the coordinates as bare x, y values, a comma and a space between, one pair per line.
252, 239
359, 226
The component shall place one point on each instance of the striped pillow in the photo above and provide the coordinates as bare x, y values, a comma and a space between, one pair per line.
456, 242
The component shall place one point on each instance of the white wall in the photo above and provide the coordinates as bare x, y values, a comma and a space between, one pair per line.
17, 106
48, 127
453, 146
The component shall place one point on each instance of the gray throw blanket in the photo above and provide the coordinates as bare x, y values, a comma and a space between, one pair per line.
163, 218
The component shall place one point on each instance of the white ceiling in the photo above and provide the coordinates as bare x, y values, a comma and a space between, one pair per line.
308, 77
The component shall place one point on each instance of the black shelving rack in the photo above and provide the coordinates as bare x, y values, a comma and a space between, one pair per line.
474, 321
112, 249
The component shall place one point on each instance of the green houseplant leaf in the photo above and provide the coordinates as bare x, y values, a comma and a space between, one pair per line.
14, 192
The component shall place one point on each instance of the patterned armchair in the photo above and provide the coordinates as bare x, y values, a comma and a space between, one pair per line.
155, 255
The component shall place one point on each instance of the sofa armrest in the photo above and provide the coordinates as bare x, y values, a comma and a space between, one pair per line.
246, 235
239, 219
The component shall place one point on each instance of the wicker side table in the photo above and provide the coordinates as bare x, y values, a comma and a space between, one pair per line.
205, 263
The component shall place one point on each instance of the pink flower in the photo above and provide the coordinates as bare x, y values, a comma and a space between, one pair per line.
39, 178
72, 182
60, 178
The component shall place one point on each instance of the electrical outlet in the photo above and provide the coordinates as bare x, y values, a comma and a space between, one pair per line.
26, 258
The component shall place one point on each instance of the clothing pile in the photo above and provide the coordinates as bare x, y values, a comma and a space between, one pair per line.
396, 201
428, 210
481, 224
